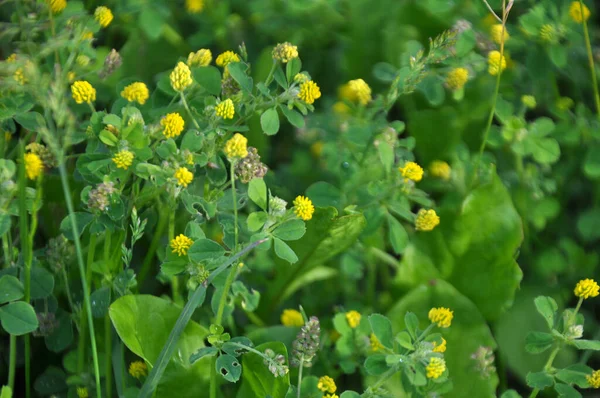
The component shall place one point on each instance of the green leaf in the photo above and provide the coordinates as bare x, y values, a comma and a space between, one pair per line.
238, 72
314, 275
382, 328
52, 381
545, 150
229, 367
6, 392
412, 324
5, 221
10, 289
100, 301
257, 380
537, 342
256, 220
295, 118
566, 391
209, 78
539, 380
433, 89
350, 394
587, 224
172, 268
510, 394
269, 121
18, 318
290, 230
193, 141
205, 249
32, 121
404, 339
323, 194
591, 163
62, 336
42, 283
257, 192
386, 155
575, 374
292, 68
547, 307
108, 138
376, 365
151, 22
203, 352
284, 252
81, 220
587, 344
397, 235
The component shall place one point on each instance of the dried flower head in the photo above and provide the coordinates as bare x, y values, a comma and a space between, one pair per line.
326, 384
99, 198
579, 12
441, 316
250, 167
136, 92
202, 57
236, 147
103, 15
180, 244
138, 369
353, 319
426, 220
435, 368
303, 207
59, 253
275, 363
33, 166
123, 159
183, 176
47, 322
181, 77
586, 288
484, 361
285, 52
457, 78
307, 343
173, 125
496, 62
83, 92
411, 171
309, 92
290, 317
111, 63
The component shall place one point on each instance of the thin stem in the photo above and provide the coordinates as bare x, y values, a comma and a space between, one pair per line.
187, 108
83, 319
492, 11
68, 289
588, 46
108, 355
12, 361
147, 264
547, 367
174, 280
92, 108
300, 367
6, 250
86, 292
389, 373
235, 212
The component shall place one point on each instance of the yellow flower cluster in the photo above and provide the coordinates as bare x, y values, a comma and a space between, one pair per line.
82, 60
578, 13
359, 91
103, 15
181, 77
202, 57
173, 125
457, 78
375, 343
82, 392
411, 171
194, 6
225, 109
236, 147
499, 33
138, 369
83, 92
301, 78
285, 52
440, 348
441, 316
496, 62
326, 384
435, 368
226, 58
291, 317
548, 33
353, 318
19, 76
309, 92
181, 244
136, 92
183, 176
594, 379
303, 207
440, 169
587, 288
426, 220
33, 166
57, 6
123, 159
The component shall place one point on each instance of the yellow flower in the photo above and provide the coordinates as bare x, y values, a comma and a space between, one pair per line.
495, 62
225, 109
375, 343
71, 76
184, 176
226, 58
82, 392
202, 57
19, 76
236, 147
411, 171
87, 35
303, 207
359, 91
194, 6
285, 52
496, 33
440, 348
457, 78
317, 148
548, 33
136, 92
578, 13
57, 6
138, 369
11, 58
353, 318
173, 125
103, 15
436, 367
529, 101
586, 288
426, 220
441, 316
301, 78
594, 379
83, 92
189, 159
180, 244
181, 77
291, 318
82, 60
33, 166
331, 396
564, 103
309, 92
440, 169
123, 159
326, 384
341, 108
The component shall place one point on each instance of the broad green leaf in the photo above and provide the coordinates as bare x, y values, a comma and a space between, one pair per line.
269, 121
209, 78
42, 283
397, 235
203, 352
237, 71
290, 230
537, 342
52, 381
81, 220
295, 118
575, 374
539, 380
205, 249
284, 251
256, 220
257, 380
151, 22
192, 141
412, 324
61, 336
11, 289
510, 394
18, 318
32, 121
257, 192
382, 328
386, 155
229, 368
323, 194
376, 365
6, 392
292, 68
587, 344
316, 274
591, 163
547, 307
566, 391
100, 301
350, 394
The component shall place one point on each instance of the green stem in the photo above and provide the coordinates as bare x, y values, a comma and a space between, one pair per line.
588, 46
83, 319
187, 108
174, 280
235, 212
12, 362
86, 292
389, 373
6, 250
547, 367
108, 355
147, 264
68, 289
300, 367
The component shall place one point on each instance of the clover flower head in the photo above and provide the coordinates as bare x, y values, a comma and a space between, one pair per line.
194, 6
82, 392
499, 33
564, 103
181, 77
33, 166
586, 288
290, 317
331, 396
457, 78
226, 58
594, 379
45, 154
435, 368
277, 206
309, 92
484, 361
173, 125
353, 319
111, 63
83, 91
138, 369
529, 101
57, 6
359, 91
225, 109
411, 171
303, 207
103, 15
496, 62
202, 57
426, 220
301, 78
136, 92
307, 343
440, 348
579, 12
440, 169
275, 363
548, 33
123, 159
250, 167
99, 197
82, 60
375, 343
183, 176
326, 384
236, 147
441, 316
285, 52
181, 244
